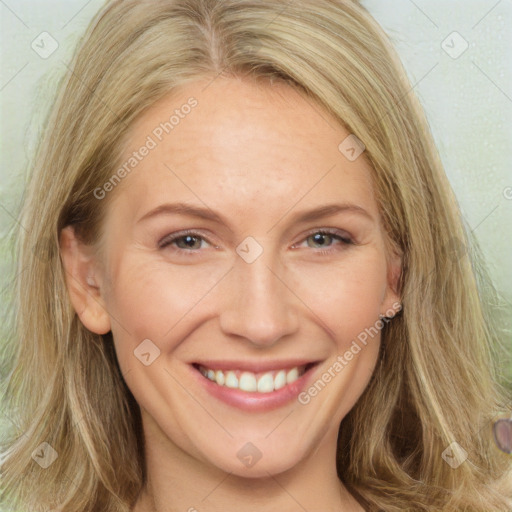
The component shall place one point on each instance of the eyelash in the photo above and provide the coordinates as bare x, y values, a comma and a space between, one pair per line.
334, 233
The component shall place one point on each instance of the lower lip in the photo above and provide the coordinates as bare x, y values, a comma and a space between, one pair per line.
253, 401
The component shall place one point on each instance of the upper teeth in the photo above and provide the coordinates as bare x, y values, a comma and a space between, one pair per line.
249, 381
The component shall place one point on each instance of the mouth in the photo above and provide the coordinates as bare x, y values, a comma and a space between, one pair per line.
260, 382
254, 388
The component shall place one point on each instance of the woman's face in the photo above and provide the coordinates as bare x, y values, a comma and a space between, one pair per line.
215, 257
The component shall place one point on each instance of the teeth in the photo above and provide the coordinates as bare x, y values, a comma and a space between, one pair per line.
266, 383
219, 378
292, 375
231, 380
280, 380
250, 382
247, 382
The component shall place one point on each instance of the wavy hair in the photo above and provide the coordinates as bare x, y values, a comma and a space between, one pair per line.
438, 379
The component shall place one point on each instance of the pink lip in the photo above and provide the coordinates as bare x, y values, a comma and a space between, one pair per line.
253, 401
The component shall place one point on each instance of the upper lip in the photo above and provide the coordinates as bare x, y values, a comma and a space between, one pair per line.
254, 366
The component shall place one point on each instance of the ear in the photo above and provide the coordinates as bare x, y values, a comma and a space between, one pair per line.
391, 304
83, 282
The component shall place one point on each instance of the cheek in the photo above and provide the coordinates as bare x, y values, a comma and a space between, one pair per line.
347, 296
162, 302
150, 299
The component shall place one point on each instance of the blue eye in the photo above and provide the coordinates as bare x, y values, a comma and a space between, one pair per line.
191, 241
320, 237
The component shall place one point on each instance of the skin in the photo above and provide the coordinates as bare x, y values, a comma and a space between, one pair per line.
257, 154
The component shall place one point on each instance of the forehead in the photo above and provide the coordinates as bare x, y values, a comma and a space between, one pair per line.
241, 146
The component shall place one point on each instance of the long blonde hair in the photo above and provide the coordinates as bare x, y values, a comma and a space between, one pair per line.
437, 380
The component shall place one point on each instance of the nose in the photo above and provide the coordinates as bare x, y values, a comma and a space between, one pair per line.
258, 304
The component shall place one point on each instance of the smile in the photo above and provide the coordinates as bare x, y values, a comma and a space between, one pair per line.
254, 382
259, 388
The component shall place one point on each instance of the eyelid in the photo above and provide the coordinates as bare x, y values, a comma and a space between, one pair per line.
344, 237
172, 237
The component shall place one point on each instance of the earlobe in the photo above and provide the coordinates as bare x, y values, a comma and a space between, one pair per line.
82, 281
392, 300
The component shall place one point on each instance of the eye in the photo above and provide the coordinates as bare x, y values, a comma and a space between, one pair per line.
184, 241
190, 242
323, 237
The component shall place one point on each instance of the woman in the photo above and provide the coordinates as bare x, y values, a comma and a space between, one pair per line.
252, 283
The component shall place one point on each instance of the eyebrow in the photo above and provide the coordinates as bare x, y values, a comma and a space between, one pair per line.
209, 214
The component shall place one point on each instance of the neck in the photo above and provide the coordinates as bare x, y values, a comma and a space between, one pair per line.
177, 481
